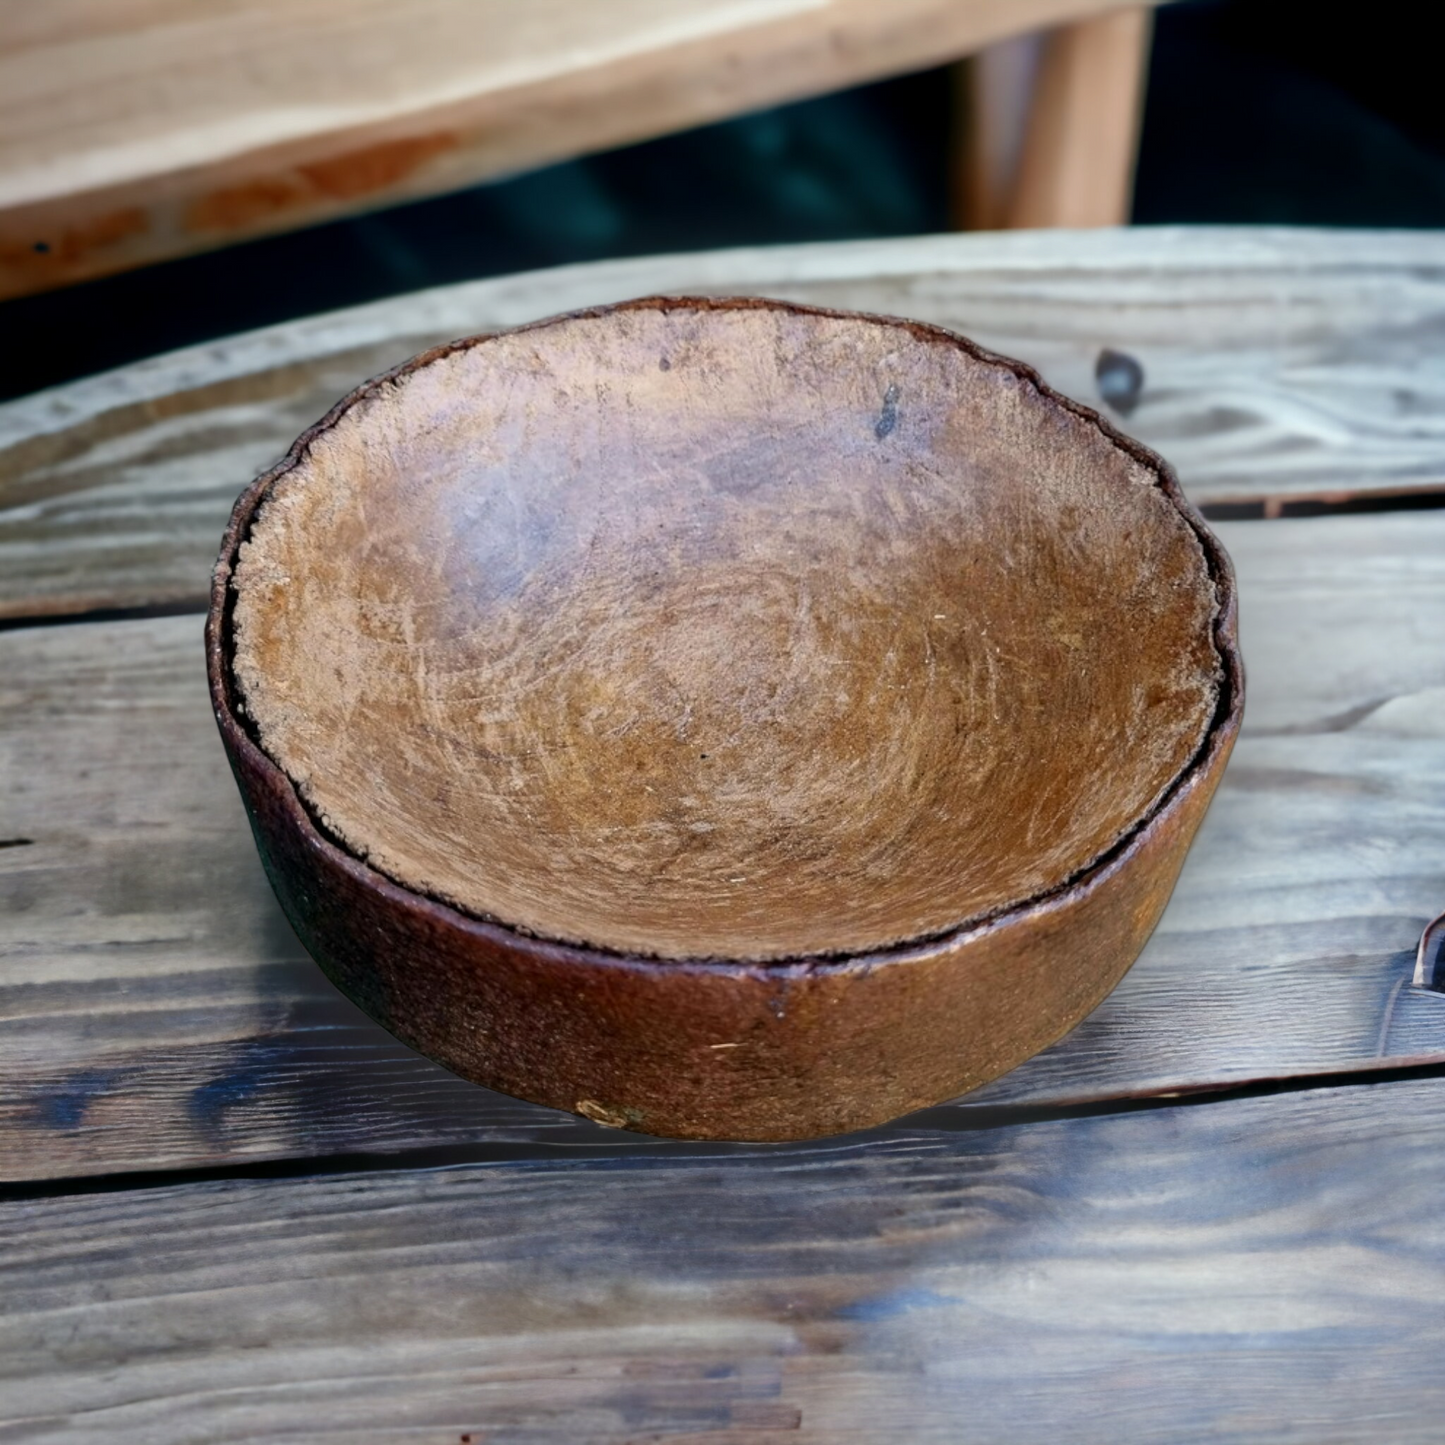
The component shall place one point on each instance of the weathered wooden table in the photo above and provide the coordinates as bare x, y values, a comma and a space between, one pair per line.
238, 1210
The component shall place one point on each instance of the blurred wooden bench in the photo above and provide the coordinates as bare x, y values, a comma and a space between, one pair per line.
134, 131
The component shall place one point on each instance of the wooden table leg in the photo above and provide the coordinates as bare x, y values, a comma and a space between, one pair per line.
1050, 125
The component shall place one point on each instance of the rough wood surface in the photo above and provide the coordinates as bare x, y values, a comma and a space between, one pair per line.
155, 1010
1278, 364
131, 133
1252, 1271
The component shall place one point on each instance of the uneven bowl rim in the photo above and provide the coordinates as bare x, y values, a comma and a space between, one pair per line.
245, 746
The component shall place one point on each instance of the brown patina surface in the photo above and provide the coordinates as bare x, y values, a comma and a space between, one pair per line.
673, 674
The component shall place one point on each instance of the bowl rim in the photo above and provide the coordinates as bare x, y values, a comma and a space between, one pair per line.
245, 747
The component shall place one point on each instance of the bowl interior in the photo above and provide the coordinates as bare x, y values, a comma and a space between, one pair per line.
737, 632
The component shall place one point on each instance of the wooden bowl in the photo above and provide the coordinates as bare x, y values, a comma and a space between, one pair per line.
723, 718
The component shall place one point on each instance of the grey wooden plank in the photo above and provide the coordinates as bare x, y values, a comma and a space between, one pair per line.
156, 1012
1251, 1270
1280, 364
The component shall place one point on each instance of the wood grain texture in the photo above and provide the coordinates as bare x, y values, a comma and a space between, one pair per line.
1251, 1271
135, 132
156, 1011
1278, 364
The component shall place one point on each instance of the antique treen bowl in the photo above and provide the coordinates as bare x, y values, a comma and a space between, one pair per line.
723, 719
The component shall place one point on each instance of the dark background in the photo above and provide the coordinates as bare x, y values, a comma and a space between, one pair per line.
1257, 112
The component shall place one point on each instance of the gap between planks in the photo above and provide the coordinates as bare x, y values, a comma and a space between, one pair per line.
941, 1120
